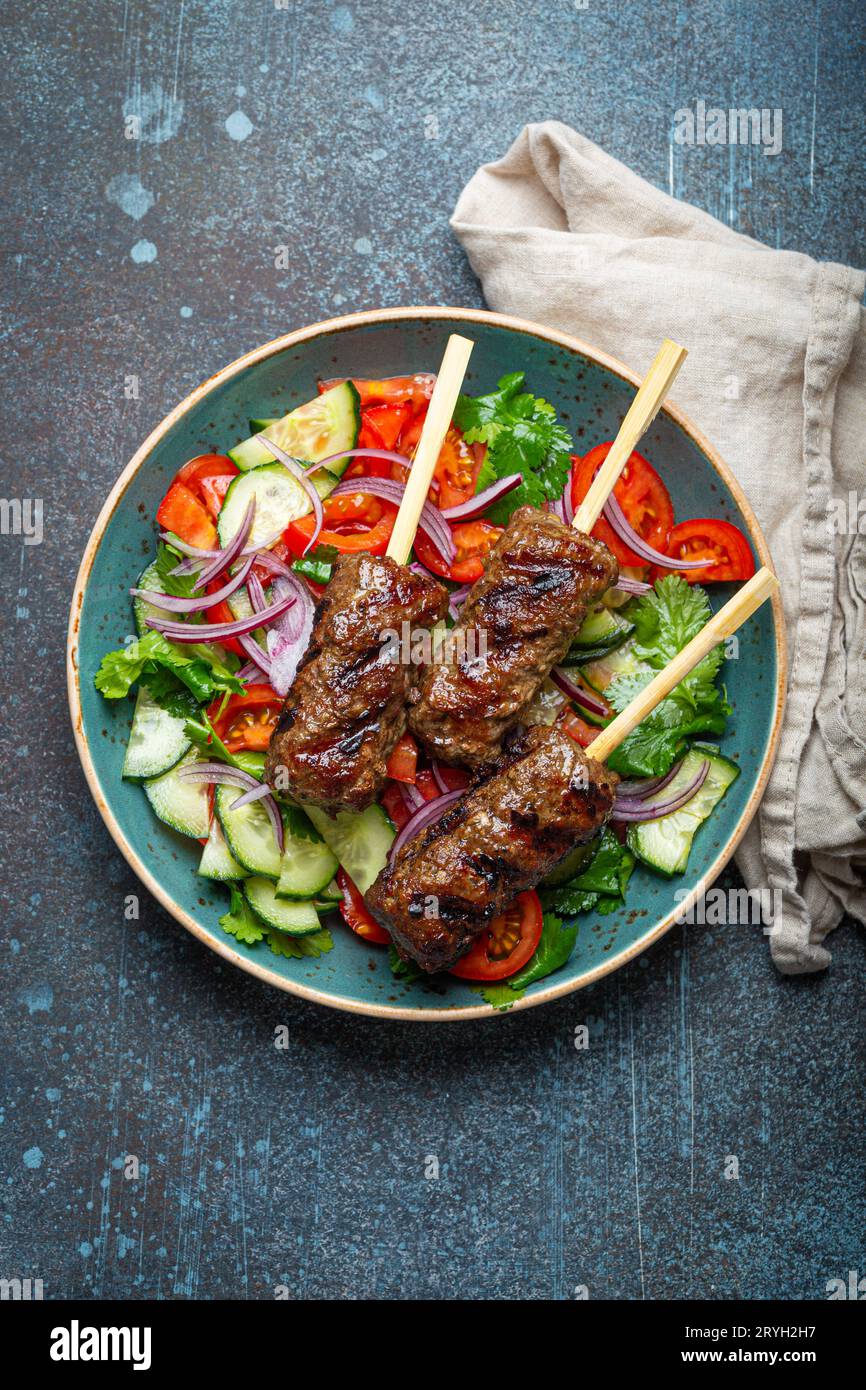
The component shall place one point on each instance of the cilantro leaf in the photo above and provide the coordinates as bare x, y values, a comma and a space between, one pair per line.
666, 619
600, 887
143, 658
178, 585
240, 921
401, 969
522, 435
316, 944
318, 565
202, 733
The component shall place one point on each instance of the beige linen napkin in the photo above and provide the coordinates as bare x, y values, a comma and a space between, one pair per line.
559, 232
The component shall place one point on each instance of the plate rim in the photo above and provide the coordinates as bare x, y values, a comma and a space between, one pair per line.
224, 949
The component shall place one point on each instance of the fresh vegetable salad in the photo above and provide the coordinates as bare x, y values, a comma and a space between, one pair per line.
247, 544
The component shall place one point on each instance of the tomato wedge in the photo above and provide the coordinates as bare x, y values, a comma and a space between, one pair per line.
208, 477
416, 389
456, 471
246, 722
507, 944
711, 539
221, 613
395, 807
642, 496
353, 911
353, 522
181, 511
403, 761
473, 541
578, 729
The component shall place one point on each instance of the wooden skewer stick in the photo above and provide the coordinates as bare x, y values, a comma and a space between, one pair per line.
735, 612
640, 415
438, 418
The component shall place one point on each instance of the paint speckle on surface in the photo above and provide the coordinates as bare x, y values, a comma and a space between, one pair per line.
158, 113
38, 998
143, 252
52, 1094
342, 20
185, 311
239, 125
85, 1249
364, 246
33, 1157
263, 67
375, 98
130, 195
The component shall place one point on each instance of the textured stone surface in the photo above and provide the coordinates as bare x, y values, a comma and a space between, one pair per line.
345, 133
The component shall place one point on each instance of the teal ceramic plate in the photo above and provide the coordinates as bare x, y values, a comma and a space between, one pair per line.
591, 393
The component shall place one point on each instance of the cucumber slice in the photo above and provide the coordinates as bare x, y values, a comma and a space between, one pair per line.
307, 865
360, 840
156, 740
248, 832
256, 426
180, 803
278, 496
150, 579
664, 844
331, 894
602, 629
217, 860
621, 662
326, 425
297, 919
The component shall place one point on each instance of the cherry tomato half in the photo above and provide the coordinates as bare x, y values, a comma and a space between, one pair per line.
246, 722
208, 476
642, 496
507, 944
353, 911
720, 541
456, 471
473, 541
403, 762
353, 522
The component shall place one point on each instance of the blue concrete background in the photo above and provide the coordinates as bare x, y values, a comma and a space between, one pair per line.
346, 133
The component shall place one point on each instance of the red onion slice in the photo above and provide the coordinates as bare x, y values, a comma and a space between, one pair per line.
431, 521
412, 798
387, 454
640, 810
640, 787
627, 585
428, 814
617, 518
477, 504
196, 605
593, 703
301, 476
272, 563
197, 555
254, 794
227, 557
259, 658
567, 503
288, 642
438, 778
234, 776
215, 632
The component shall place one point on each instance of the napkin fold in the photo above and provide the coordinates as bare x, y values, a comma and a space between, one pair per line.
559, 232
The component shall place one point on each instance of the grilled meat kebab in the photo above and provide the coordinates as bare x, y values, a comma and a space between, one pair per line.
541, 579
346, 708
505, 835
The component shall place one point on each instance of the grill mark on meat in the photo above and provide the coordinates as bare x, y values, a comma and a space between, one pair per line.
503, 836
346, 708
539, 583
